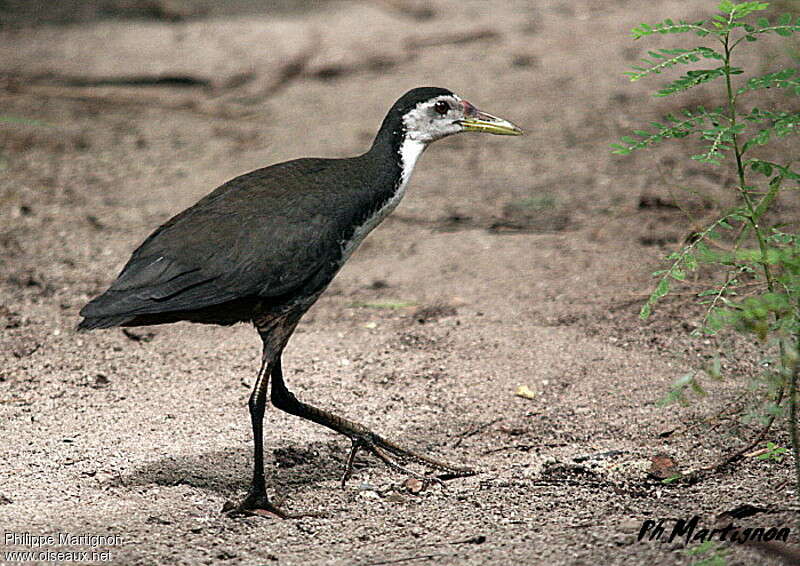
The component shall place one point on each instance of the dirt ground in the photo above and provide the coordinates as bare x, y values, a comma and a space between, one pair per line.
511, 262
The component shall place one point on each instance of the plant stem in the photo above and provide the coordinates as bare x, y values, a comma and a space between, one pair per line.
762, 245
732, 115
793, 433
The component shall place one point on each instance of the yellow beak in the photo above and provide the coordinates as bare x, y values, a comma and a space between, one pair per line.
478, 121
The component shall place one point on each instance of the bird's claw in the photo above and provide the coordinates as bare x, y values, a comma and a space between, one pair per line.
391, 455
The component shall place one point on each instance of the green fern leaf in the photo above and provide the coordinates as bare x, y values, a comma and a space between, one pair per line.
666, 58
668, 26
692, 79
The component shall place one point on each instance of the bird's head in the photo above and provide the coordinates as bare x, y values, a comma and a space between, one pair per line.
429, 114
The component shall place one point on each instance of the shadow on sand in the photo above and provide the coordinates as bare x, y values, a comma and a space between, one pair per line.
229, 471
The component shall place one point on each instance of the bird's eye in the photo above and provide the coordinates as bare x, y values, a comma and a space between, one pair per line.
442, 107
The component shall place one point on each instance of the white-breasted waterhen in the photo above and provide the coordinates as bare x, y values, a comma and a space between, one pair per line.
264, 246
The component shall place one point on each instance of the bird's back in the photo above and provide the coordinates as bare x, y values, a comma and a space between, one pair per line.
274, 235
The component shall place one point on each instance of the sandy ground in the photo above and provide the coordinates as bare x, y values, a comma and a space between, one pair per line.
512, 261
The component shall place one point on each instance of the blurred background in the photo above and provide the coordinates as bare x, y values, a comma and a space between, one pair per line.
511, 261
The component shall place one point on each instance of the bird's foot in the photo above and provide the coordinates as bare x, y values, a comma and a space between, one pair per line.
256, 503
395, 457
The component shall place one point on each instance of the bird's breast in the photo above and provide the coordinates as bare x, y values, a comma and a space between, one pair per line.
361, 231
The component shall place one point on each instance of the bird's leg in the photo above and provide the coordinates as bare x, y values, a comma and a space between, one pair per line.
256, 501
362, 438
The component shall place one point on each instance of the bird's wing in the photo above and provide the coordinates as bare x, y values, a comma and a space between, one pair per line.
260, 235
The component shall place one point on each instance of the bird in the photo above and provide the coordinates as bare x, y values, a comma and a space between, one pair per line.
263, 247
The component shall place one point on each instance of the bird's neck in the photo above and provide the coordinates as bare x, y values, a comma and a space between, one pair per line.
390, 170
391, 163
394, 147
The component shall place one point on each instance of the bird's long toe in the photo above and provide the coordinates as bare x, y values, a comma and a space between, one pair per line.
396, 457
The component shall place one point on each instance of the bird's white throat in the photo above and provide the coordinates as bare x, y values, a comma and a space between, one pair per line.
410, 150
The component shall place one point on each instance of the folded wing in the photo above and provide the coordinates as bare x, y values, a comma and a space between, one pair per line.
258, 236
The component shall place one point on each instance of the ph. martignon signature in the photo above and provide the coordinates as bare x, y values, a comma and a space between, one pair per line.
692, 531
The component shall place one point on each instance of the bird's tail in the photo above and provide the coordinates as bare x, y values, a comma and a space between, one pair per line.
93, 323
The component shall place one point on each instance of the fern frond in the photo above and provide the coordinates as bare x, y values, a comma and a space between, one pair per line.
742, 9
767, 168
785, 78
784, 27
761, 115
684, 260
668, 26
783, 124
719, 137
694, 78
661, 61
677, 128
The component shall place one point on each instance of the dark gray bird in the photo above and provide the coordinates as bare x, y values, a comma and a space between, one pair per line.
264, 246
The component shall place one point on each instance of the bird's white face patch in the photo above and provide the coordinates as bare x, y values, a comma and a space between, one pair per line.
434, 119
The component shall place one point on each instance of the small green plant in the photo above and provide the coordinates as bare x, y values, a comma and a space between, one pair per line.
773, 452
756, 256
709, 554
